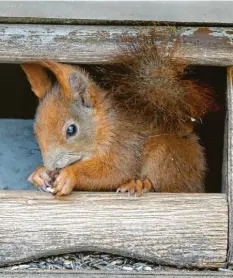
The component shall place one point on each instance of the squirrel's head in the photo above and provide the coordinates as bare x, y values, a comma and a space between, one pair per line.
66, 121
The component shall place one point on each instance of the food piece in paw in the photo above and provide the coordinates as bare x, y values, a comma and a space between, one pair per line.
46, 187
49, 184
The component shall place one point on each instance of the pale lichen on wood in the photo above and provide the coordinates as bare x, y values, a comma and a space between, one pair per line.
94, 44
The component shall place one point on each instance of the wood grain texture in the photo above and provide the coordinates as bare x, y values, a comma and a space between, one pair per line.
228, 172
173, 11
173, 229
100, 274
95, 44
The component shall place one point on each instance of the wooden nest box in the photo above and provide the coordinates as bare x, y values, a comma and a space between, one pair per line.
182, 230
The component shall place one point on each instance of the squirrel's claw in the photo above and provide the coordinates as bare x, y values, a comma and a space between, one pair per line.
64, 183
137, 187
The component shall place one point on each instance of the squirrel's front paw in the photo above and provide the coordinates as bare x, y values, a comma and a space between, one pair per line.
64, 183
42, 179
137, 187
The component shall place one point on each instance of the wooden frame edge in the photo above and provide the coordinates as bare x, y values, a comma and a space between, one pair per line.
228, 174
106, 274
123, 11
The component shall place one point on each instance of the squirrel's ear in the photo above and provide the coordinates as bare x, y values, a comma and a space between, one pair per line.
38, 78
79, 88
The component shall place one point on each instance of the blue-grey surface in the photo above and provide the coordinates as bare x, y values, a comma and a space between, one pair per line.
19, 153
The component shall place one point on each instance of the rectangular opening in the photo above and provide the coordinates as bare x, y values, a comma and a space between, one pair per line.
211, 129
20, 155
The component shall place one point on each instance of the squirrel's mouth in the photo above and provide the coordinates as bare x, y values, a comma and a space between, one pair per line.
56, 163
72, 161
67, 161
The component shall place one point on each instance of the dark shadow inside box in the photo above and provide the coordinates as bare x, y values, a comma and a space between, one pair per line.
19, 153
211, 131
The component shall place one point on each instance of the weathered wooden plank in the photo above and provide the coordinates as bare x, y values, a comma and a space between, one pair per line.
94, 44
171, 229
177, 11
228, 173
100, 274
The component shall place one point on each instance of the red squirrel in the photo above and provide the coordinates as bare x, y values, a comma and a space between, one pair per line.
136, 137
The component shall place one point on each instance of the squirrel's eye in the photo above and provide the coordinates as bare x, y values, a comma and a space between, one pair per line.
71, 130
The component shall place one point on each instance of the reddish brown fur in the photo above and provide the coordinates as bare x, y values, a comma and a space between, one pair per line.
137, 136
151, 81
174, 163
61, 71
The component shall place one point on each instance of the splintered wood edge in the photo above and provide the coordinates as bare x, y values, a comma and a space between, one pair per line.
185, 230
88, 44
110, 274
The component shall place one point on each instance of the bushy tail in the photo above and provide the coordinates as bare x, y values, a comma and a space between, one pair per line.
148, 78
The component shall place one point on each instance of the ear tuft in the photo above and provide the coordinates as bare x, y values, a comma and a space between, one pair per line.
78, 82
79, 88
38, 78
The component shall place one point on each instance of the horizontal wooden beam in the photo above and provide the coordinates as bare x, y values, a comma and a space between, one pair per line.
170, 11
108, 274
186, 230
95, 44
